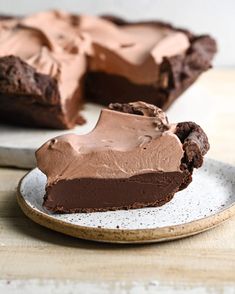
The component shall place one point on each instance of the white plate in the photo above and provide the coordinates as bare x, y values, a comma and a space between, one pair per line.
18, 145
209, 200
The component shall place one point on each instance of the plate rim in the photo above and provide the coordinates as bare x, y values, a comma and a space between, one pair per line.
108, 235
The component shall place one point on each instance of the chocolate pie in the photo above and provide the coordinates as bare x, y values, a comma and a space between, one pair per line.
51, 62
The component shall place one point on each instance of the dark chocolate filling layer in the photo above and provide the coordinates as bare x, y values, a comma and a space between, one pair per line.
101, 88
90, 194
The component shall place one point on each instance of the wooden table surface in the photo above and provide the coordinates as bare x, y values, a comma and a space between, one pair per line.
33, 258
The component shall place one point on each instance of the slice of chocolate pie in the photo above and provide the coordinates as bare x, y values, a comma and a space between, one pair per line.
133, 158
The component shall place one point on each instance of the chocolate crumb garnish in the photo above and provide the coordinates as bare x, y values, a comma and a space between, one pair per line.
141, 108
128, 45
125, 107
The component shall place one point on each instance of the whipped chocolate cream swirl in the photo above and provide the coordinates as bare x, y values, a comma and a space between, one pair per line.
117, 145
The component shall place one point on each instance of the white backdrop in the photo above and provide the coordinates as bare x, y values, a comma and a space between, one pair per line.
216, 17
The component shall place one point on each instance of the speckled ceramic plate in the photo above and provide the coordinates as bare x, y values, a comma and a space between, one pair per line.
208, 201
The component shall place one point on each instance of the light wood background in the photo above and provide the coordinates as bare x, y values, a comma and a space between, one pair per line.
34, 259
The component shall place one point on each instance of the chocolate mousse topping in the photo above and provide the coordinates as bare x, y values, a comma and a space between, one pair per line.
93, 58
133, 158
